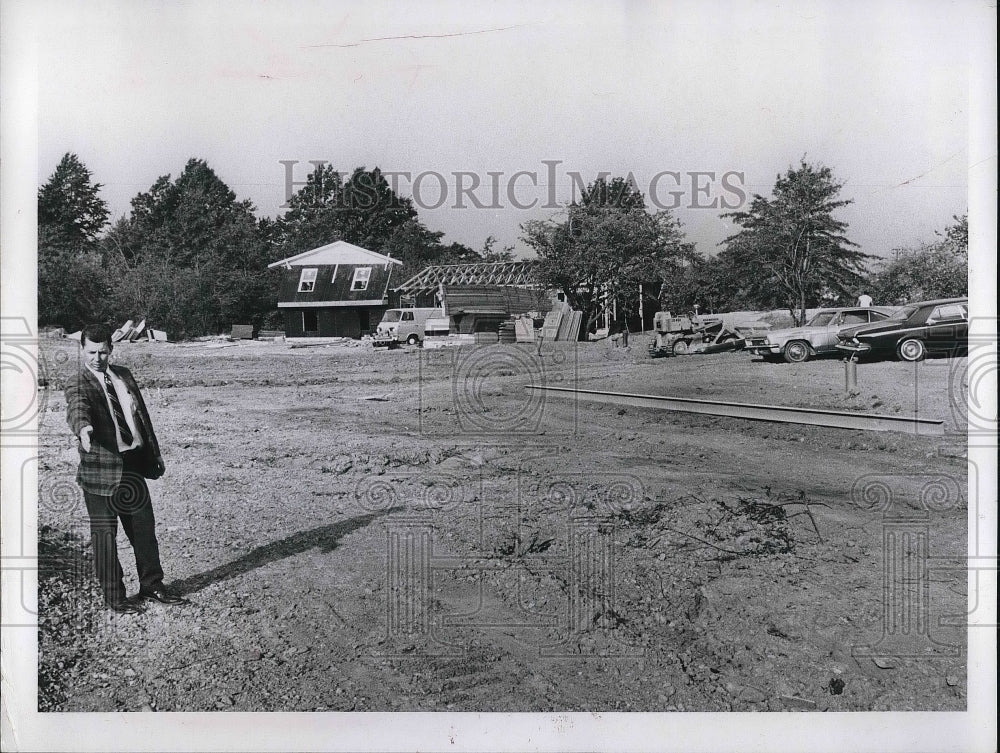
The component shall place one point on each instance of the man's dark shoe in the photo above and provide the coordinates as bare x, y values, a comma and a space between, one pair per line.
162, 595
125, 607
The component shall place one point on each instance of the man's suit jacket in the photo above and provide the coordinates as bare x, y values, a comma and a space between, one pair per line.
86, 405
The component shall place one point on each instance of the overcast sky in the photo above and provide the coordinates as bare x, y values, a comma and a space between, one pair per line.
879, 92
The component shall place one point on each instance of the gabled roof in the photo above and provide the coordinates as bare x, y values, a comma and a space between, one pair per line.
338, 252
518, 273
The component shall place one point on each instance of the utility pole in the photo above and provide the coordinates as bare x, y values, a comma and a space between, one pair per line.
642, 315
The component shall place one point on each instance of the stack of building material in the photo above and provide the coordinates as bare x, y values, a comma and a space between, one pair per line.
508, 332
123, 332
459, 299
449, 341
551, 326
129, 332
490, 338
562, 325
524, 330
572, 333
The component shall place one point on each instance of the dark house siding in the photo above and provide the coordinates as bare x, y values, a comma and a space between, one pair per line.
348, 321
339, 289
327, 307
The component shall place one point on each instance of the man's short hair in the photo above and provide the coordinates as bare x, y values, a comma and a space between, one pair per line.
96, 333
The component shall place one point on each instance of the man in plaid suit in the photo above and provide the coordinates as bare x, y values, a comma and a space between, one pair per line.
118, 452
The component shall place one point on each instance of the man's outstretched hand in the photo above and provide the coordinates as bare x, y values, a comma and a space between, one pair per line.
85, 433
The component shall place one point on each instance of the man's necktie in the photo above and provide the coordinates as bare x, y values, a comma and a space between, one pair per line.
123, 429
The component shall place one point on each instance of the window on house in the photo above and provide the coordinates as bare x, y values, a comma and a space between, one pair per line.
307, 280
361, 276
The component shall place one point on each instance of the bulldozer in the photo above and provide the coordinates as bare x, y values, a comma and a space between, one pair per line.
694, 333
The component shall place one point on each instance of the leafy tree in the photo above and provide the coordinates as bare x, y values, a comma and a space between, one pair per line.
415, 246
363, 210
71, 212
459, 253
956, 237
192, 221
72, 284
488, 253
721, 283
193, 258
934, 270
73, 288
608, 246
793, 242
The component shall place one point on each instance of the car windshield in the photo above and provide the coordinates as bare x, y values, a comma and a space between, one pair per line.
821, 319
903, 313
391, 316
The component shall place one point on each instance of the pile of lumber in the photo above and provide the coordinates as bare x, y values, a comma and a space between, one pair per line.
500, 299
128, 332
562, 325
508, 331
131, 332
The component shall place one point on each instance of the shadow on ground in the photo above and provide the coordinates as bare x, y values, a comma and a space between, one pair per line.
325, 538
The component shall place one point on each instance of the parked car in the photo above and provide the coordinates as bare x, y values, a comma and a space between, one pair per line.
817, 337
940, 326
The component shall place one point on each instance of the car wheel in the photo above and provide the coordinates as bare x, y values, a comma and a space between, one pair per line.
796, 351
911, 349
412, 340
680, 347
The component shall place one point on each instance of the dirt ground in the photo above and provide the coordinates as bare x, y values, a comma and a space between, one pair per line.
411, 530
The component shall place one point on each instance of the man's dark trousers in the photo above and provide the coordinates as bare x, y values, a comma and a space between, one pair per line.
131, 502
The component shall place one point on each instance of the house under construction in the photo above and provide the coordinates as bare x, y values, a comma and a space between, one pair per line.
477, 297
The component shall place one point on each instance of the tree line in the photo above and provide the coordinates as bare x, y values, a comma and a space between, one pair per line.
790, 252
192, 258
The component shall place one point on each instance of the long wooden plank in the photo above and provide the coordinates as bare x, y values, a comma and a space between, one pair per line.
574, 328
524, 330
777, 413
551, 327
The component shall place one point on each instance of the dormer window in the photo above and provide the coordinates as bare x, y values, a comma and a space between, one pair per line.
307, 280
361, 277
